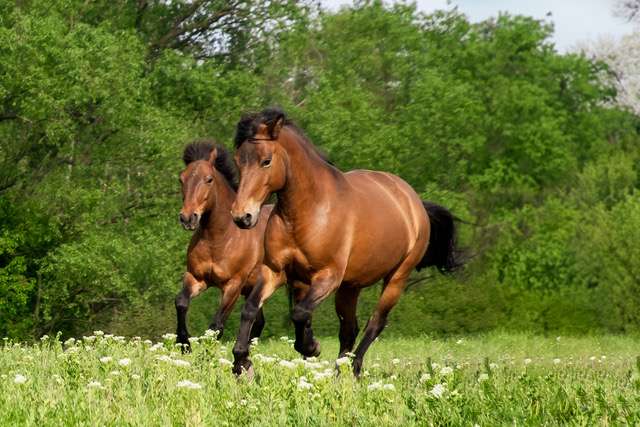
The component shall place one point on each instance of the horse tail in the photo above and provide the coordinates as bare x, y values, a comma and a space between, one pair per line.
442, 252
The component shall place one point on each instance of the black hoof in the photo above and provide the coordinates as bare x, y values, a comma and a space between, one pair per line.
312, 350
243, 367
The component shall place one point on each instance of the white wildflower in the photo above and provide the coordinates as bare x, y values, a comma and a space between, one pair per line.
70, 341
303, 384
319, 376
119, 338
193, 339
124, 362
148, 342
434, 366
375, 386
182, 363
169, 336
483, 377
425, 378
106, 359
375, 365
20, 379
98, 333
243, 402
135, 376
254, 341
287, 364
527, 361
459, 342
493, 365
446, 370
94, 384
343, 361
395, 361
284, 338
44, 338
592, 358
263, 358
164, 358
188, 384
115, 373
108, 336
389, 387
210, 333
225, 362
556, 361
437, 391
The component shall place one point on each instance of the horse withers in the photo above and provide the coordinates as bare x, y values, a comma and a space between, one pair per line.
338, 232
219, 254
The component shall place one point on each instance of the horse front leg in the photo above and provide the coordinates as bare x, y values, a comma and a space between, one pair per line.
230, 293
191, 288
323, 283
267, 284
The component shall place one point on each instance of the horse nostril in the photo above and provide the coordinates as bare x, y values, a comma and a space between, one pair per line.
183, 220
246, 219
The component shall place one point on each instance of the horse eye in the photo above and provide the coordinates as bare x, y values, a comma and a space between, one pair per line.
208, 179
265, 163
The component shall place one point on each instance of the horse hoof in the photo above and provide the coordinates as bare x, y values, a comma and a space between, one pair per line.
244, 369
316, 349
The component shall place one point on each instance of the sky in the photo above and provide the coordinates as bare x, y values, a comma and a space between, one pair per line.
575, 21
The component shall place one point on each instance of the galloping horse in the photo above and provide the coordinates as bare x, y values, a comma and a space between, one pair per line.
220, 254
338, 232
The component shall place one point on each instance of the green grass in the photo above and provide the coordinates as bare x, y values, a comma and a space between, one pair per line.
575, 381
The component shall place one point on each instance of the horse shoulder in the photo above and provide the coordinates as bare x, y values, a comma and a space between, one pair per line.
278, 243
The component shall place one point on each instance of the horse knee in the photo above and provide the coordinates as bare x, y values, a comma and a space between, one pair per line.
300, 315
182, 301
249, 312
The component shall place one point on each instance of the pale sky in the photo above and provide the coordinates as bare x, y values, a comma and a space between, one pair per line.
575, 20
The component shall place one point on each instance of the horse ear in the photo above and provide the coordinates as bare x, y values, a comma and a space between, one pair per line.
213, 155
276, 126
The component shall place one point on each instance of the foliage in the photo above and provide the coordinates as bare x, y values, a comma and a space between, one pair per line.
524, 143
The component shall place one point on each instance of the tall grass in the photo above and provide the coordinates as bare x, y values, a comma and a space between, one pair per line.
489, 380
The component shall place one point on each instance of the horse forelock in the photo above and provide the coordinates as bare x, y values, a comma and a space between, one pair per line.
201, 150
249, 123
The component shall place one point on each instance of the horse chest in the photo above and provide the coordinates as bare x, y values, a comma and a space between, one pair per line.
204, 266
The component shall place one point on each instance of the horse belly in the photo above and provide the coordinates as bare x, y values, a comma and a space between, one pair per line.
387, 231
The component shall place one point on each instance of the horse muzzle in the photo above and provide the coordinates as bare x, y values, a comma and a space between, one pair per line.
190, 222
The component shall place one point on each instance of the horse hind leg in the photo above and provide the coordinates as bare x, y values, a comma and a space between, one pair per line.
393, 288
346, 305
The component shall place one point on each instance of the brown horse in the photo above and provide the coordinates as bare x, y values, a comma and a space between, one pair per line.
338, 232
220, 254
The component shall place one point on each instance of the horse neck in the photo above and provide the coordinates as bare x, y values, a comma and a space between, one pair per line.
220, 221
310, 180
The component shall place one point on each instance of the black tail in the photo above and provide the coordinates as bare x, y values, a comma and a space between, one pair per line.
441, 252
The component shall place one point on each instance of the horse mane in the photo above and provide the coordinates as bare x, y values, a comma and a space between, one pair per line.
200, 150
248, 126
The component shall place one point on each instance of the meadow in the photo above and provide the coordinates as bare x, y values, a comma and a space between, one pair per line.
487, 380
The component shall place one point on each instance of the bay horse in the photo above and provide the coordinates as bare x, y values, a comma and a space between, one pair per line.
337, 232
219, 254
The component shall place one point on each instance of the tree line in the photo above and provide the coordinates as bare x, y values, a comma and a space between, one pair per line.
528, 145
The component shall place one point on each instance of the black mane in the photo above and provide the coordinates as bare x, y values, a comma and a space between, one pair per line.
249, 123
200, 150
